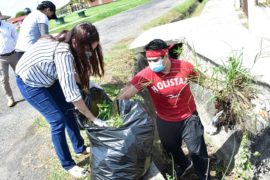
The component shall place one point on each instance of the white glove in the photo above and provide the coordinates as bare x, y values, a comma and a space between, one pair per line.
100, 123
92, 84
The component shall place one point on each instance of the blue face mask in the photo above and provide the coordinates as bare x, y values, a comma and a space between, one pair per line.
157, 66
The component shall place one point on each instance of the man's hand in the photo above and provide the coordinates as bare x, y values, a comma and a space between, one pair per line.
100, 123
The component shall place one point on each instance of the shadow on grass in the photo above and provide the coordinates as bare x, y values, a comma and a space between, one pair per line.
84, 162
19, 101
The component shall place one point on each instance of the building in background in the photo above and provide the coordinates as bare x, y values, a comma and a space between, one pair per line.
80, 5
3, 17
17, 21
92, 3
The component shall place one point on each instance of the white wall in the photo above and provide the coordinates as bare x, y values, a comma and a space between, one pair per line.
259, 20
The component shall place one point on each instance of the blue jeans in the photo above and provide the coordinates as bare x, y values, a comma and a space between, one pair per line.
51, 103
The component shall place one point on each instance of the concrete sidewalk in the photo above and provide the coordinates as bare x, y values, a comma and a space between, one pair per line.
215, 34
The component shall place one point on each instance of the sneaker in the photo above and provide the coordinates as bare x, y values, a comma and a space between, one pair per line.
77, 172
87, 151
10, 102
179, 172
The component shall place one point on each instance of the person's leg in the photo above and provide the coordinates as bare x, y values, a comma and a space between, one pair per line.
70, 121
170, 137
4, 76
193, 136
13, 60
19, 55
41, 99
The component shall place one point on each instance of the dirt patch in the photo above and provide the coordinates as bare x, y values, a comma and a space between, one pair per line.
22, 163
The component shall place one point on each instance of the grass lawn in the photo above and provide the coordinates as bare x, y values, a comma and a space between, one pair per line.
96, 13
189, 8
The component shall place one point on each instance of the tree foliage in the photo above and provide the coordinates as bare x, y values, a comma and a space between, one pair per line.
20, 13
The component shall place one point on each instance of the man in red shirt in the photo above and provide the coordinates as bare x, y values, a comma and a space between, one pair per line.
167, 81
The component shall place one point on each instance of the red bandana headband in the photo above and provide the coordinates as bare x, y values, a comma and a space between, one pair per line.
156, 53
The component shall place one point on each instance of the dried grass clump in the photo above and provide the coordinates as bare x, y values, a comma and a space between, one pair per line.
233, 91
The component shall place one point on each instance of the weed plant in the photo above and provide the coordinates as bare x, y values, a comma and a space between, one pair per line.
173, 176
243, 167
108, 112
232, 88
266, 3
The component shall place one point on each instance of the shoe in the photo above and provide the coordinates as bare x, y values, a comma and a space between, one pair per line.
10, 101
77, 172
179, 172
85, 152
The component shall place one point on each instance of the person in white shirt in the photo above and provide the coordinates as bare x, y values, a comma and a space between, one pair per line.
8, 38
47, 77
35, 25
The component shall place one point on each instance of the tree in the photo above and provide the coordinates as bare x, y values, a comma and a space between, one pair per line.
20, 13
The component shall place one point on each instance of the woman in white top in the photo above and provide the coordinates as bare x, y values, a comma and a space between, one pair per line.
35, 25
47, 75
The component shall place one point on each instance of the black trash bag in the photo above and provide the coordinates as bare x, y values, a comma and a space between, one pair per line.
92, 98
122, 153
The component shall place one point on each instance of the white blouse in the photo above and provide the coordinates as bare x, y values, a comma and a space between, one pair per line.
47, 61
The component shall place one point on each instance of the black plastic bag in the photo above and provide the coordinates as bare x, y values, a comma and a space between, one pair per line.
122, 153
92, 98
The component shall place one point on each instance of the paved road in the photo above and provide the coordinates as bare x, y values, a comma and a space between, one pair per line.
15, 123
129, 23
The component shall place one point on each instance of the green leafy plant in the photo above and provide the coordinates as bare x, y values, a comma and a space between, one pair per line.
19, 14
231, 85
115, 121
138, 98
173, 176
108, 113
105, 110
178, 51
243, 167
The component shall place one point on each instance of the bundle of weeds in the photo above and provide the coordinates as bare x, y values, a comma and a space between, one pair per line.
232, 87
108, 112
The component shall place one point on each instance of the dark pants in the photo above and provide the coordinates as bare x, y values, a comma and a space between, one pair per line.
51, 103
191, 131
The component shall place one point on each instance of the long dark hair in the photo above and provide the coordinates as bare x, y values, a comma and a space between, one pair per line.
84, 34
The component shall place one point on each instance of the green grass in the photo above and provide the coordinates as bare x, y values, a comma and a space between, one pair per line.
199, 9
56, 171
119, 61
40, 124
182, 11
96, 14
264, 4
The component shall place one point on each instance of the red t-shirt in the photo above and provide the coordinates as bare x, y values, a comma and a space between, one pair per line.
170, 93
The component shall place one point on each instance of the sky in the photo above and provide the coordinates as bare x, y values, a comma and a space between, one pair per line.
11, 7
